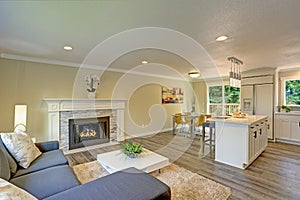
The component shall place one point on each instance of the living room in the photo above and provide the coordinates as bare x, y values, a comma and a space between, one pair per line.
36, 70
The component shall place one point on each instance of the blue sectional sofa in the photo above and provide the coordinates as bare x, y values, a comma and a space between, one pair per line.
50, 177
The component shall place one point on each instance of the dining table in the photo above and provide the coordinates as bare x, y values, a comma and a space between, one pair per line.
192, 119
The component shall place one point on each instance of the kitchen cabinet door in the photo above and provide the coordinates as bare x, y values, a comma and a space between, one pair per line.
285, 129
295, 130
251, 151
288, 127
265, 133
263, 104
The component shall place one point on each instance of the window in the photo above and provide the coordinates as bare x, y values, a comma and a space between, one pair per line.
292, 92
215, 99
223, 100
232, 99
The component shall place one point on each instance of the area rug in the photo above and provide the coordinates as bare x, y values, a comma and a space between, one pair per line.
184, 184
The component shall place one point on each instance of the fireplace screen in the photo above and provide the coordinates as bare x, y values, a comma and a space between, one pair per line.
87, 132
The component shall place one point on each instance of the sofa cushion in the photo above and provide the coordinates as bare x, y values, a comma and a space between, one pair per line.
21, 148
12, 163
123, 185
9, 191
47, 182
47, 146
46, 160
4, 166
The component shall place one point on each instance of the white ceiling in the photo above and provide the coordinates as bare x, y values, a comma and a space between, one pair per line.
261, 33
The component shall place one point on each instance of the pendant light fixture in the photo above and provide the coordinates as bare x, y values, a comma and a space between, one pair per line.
235, 77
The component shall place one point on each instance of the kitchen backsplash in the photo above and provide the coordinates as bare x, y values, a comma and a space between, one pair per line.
295, 108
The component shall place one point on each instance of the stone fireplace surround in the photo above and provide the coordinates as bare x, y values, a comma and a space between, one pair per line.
61, 110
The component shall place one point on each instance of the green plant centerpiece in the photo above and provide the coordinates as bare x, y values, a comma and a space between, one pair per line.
132, 149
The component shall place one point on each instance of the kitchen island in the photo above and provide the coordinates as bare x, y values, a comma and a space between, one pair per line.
239, 141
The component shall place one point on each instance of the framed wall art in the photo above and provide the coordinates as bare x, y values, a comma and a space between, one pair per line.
172, 95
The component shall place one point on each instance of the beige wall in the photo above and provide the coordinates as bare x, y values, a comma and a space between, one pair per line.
200, 89
29, 83
144, 103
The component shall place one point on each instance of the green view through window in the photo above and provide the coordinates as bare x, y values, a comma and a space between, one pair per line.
292, 92
232, 94
226, 103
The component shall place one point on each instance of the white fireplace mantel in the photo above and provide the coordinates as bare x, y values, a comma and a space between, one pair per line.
55, 106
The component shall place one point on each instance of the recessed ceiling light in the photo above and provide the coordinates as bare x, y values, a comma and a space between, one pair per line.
68, 48
221, 38
144, 61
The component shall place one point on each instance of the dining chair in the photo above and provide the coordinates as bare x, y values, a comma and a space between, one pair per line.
182, 120
198, 123
208, 116
186, 117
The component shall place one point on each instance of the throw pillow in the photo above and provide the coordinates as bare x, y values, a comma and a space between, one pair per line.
9, 191
21, 148
12, 163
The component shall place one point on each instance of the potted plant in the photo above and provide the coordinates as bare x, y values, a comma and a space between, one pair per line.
286, 108
132, 149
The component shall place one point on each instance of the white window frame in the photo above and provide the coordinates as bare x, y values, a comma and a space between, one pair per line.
283, 84
223, 104
208, 102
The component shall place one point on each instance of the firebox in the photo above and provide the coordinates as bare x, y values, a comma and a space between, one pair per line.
88, 131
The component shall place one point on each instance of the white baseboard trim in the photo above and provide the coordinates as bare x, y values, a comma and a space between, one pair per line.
287, 141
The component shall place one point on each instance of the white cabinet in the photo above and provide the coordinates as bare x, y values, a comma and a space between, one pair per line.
287, 127
240, 141
258, 139
252, 141
261, 98
263, 104
295, 130
265, 132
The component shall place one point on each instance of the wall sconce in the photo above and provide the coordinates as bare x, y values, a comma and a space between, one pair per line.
194, 74
92, 82
20, 118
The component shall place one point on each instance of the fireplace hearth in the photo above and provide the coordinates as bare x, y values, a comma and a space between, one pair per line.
88, 131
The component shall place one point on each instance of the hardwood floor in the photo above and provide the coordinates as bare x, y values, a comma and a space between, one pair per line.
274, 175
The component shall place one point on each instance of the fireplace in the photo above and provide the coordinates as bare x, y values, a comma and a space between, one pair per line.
88, 131
60, 111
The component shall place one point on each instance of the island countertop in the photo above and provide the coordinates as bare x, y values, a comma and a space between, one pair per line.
248, 120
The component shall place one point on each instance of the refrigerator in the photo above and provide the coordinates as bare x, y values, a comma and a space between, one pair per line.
257, 99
